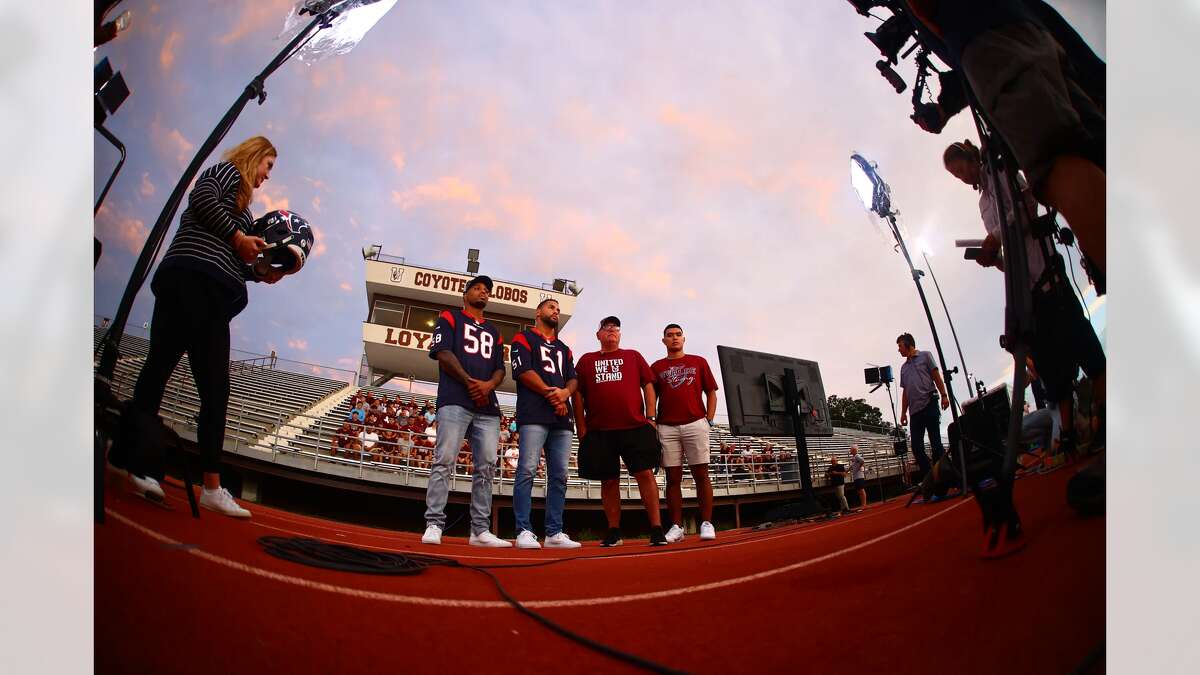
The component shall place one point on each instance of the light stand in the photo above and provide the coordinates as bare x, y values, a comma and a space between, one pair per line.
953, 333
876, 196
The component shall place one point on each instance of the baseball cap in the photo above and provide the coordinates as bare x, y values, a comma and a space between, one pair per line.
481, 279
610, 320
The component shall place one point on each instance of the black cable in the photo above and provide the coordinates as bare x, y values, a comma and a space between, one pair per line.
343, 558
1071, 269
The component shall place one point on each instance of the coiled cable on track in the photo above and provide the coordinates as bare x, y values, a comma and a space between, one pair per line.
343, 558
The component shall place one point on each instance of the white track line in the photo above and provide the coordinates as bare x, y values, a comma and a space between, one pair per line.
747, 537
533, 604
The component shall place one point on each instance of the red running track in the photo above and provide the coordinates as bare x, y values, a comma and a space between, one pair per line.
891, 590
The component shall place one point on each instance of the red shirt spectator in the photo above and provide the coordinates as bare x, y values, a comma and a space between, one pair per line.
611, 384
680, 384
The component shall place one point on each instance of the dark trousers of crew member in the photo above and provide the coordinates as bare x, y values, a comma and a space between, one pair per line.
191, 314
927, 420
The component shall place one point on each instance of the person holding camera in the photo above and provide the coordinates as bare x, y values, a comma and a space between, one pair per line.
1064, 340
1042, 90
200, 286
918, 377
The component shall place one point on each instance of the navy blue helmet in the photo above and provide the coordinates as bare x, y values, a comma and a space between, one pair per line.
290, 239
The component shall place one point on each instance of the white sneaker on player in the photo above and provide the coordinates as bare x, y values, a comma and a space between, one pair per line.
707, 531
221, 501
675, 534
433, 535
527, 539
488, 539
561, 540
146, 487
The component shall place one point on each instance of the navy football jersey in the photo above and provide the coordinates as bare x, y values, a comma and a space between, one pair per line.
479, 348
552, 362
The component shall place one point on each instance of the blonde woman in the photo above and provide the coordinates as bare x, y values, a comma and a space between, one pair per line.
199, 287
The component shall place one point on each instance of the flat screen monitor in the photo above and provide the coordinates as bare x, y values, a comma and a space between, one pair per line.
754, 395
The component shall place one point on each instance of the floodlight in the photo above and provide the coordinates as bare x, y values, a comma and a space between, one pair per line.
371, 252
874, 193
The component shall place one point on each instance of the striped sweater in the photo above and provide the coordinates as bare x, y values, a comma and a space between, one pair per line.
202, 242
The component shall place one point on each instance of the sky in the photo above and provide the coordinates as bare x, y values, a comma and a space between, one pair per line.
683, 163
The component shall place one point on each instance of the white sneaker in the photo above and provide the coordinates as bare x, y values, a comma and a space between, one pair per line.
527, 539
146, 487
221, 501
561, 540
490, 540
433, 535
707, 531
674, 534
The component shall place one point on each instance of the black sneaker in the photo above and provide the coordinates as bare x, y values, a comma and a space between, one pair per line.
657, 538
613, 538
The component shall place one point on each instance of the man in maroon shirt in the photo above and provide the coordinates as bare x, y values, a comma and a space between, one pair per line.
681, 380
613, 426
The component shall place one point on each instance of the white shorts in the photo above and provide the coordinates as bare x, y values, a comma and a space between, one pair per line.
690, 439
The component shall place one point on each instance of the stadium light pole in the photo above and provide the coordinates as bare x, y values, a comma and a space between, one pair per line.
876, 197
923, 246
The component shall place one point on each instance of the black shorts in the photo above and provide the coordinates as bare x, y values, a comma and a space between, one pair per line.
1063, 343
601, 452
860, 484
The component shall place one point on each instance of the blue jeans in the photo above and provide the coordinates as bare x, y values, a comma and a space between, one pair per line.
557, 443
927, 420
454, 423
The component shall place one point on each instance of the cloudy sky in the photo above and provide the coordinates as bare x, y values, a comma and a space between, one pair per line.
685, 162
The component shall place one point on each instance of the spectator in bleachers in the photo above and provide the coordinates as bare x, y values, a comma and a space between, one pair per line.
342, 438
858, 471
837, 477
199, 287
430, 414
369, 436
431, 431
511, 457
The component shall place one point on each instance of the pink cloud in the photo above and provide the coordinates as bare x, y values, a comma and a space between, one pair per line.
345, 286
444, 189
170, 144
319, 245
398, 160
259, 18
166, 56
271, 198
581, 122
126, 231
317, 183
316, 203
147, 188
297, 344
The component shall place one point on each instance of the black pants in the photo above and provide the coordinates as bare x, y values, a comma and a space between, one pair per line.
191, 314
927, 420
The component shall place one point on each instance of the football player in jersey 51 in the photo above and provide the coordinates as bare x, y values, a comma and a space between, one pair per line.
545, 374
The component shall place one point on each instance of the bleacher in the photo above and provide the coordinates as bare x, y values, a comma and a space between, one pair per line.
260, 398
131, 346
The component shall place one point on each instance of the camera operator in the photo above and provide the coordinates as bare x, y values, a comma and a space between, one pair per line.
1042, 90
1064, 340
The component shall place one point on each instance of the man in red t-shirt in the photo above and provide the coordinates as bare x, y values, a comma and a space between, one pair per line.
681, 381
613, 426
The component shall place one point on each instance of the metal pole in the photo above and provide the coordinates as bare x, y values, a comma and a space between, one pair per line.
950, 321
